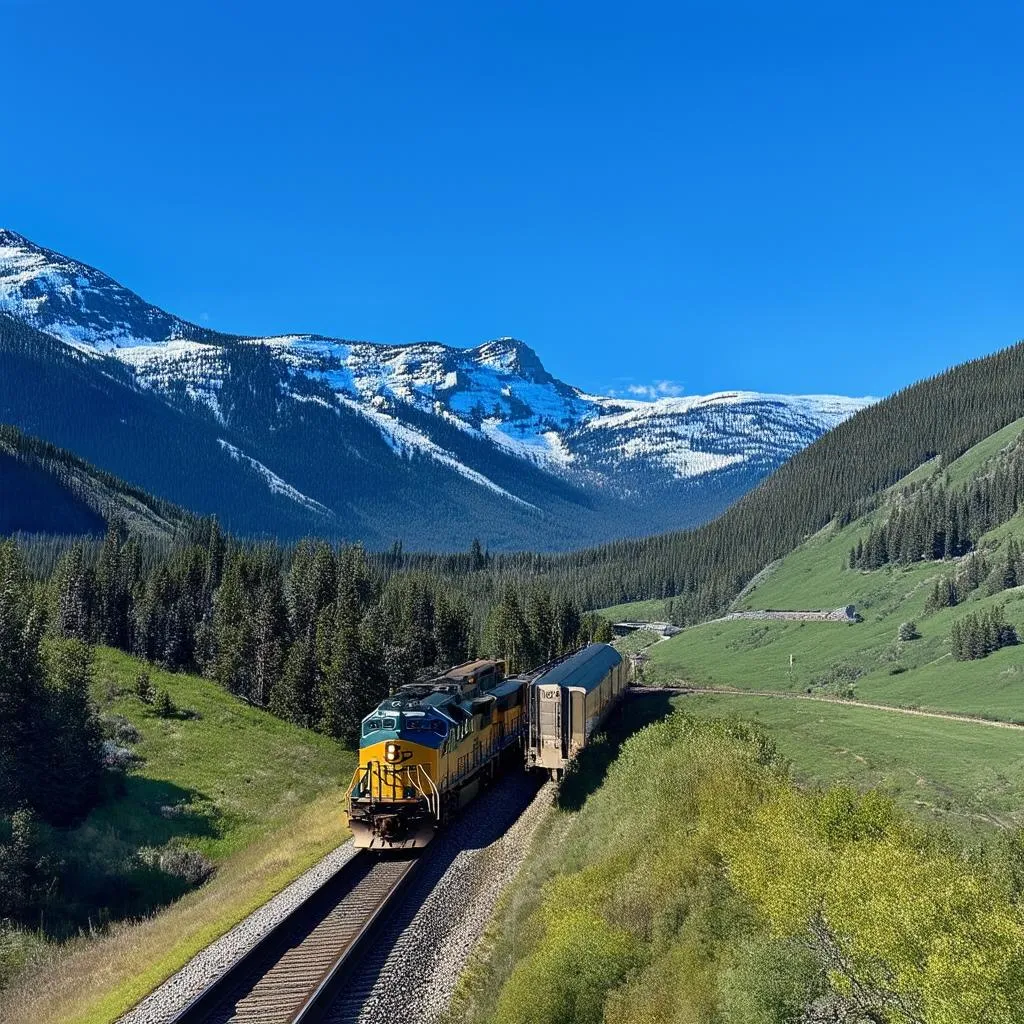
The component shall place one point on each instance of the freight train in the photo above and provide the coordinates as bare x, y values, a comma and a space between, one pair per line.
430, 747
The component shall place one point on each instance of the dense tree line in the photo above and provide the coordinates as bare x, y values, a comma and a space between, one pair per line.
50, 739
979, 634
933, 522
315, 633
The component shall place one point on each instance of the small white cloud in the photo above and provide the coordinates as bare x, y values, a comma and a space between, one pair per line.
657, 389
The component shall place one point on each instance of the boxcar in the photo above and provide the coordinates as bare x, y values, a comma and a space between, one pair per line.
568, 703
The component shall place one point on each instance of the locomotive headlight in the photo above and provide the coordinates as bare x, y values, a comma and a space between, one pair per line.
391, 752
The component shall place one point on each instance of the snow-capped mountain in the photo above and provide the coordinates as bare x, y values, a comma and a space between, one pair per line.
490, 420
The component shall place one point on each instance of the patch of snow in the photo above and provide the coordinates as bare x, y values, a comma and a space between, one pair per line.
273, 481
545, 448
403, 438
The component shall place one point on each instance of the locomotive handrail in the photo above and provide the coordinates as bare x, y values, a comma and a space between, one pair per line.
415, 775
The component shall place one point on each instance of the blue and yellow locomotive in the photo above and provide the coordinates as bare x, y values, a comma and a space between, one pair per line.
428, 749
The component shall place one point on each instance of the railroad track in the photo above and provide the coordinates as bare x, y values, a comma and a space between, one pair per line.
300, 966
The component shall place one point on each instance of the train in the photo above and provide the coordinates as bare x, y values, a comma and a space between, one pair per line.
430, 747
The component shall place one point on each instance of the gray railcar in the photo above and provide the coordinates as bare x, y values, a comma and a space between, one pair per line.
568, 703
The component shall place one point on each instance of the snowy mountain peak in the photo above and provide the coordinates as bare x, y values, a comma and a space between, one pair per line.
514, 357
75, 302
456, 408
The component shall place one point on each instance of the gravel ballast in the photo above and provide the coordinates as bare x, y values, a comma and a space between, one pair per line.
412, 972
206, 966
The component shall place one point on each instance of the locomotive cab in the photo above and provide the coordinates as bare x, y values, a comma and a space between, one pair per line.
394, 800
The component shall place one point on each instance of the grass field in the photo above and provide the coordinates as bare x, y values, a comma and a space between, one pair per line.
956, 772
261, 798
657, 610
230, 774
756, 655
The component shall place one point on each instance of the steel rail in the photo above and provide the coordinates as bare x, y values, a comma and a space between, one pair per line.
293, 972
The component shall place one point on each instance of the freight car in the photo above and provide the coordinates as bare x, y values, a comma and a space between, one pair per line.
568, 701
428, 749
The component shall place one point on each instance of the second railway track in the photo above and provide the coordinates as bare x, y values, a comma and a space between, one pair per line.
293, 973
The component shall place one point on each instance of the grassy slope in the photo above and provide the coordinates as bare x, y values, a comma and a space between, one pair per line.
656, 610
261, 797
233, 773
756, 655
907, 757
944, 769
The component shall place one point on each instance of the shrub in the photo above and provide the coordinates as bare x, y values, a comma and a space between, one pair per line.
164, 706
18, 949
118, 758
569, 974
120, 730
907, 631
189, 865
770, 981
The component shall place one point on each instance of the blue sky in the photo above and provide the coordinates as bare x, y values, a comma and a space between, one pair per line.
789, 197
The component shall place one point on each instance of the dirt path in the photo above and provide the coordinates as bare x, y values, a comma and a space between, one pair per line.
731, 691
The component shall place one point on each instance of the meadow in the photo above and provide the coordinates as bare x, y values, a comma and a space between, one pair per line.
959, 773
259, 798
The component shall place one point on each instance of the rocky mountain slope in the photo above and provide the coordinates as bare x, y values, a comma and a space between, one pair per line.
420, 442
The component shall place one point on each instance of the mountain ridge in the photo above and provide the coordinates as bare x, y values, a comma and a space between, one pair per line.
624, 465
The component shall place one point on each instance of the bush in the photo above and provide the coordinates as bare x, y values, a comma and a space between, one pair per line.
770, 981
189, 865
907, 631
118, 758
569, 974
120, 730
18, 949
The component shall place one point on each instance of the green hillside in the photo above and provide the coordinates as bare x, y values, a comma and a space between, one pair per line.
216, 784
966, 774
866, 658
698, 883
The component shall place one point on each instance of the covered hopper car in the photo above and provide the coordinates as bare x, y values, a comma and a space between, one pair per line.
568, 702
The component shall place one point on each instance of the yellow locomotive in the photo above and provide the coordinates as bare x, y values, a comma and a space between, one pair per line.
427, 750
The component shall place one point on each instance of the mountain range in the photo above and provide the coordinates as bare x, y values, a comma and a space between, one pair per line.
424, 443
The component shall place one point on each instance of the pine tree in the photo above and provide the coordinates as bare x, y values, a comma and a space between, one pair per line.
74, 585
